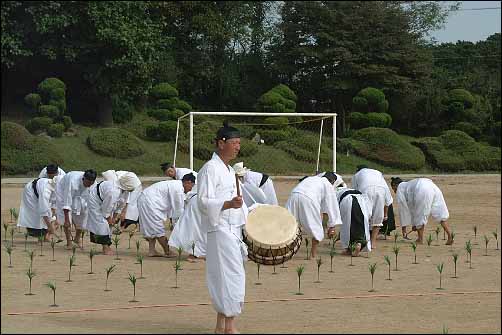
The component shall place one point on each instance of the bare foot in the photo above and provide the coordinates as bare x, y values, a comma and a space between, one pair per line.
381, 237
154, 254
191, 259
231, 331
108, 252
68, 247
169, 255
346, 252
449, 242
358, 250
219, 331
419, 241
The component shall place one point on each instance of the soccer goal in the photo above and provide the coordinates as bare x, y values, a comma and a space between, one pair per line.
272, 143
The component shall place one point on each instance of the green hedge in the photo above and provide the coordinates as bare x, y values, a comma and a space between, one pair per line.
38, 123
468, 128
14, 135
67, 122
461, 95
55, 130
163, 91
115, 142
386, 147
50, 84
50, 111
373, 95
285, 92
33, 100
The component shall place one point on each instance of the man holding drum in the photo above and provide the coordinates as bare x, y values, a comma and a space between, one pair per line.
224, 213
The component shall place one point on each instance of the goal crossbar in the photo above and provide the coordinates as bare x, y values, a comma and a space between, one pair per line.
191, 115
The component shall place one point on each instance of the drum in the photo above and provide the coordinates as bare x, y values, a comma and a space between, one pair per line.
272, 235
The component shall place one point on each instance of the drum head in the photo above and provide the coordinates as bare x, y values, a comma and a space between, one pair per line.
271, 226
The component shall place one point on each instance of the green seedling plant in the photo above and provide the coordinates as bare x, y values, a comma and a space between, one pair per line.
73, 251
53, 245
299, 272
177, 268
495, 234
12, 236
396, 235
319, 263
131, 234
52, 286
138, 244
108, 271
437, 231
414, 248
140, 259
387, 261
352, 248
5, 227
72, 263
429, 242
116, 241
25, 240
475, 228
453, 239
372, 268
93, 252
258, 271
30, 274
179, 250
41, 241
332, 254
440, 270
132, 279
487, 239
13, 214
307, 247
468, 249
8, 249
31, 254
455, 259
445, 329
395, 249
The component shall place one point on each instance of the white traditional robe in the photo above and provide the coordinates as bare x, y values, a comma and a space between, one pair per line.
43, 174
252, 194
73, 195
189, 229
417, 200
225, 274
132, 212
372, 183
339, 180
346, 214
180, 172
308, 200
102, 208
158, 202
33, 209
254, 178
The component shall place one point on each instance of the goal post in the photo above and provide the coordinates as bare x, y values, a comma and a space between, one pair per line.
313, 121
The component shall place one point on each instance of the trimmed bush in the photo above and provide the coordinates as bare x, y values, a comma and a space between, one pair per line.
248, 148
456, 140
278, 108
382, 107
57, 94
494, 138
122, 111
33, 100
270, 99
167, 130
373, 95
59, 104
163, 91
388, 148
469, 129
463, 96
277, 122
67, 122
115, 142
152, 132
285, 92
290, 106
55, 130
358, 120
168, 103
50, 111
274, 136
379, 120
438, 156
38, 123
360, 104
14, 135
50, 84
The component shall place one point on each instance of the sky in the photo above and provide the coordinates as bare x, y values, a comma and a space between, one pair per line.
471, 25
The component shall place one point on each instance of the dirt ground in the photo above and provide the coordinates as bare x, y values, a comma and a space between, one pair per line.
341, 303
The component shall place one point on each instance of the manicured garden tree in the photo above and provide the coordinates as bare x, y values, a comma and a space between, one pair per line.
52, 286
30, 273
372, 268
132, 279
370, 109
387, 261
108, 271
299, 272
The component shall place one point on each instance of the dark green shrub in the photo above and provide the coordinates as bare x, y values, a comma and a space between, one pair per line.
33, 100
373, 95
285, 92
122, 110
57, 94
115, 142
387, 147
462, 96
270, 99
38, 123
494, 137
184, 106
358, 120
163, 91
55, 130
50, 84
175, 114
437, 156
167, 130
379, 120
278, 108
248, 148
170, 104
360, 104
60, 105
469, 129
456, 110
14, 135
273, 136
290, 106
277, 122
50, 111
67, 122
456, 140
343, 145
382, 107
152, 132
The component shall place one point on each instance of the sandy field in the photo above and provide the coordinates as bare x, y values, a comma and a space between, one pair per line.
341, 303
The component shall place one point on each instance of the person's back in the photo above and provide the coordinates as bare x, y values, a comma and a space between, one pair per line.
313, 188
366, 177
164, 195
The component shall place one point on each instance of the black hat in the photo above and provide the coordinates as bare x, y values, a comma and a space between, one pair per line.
331, 176
165, 166
52, 169
360, 167
394, 181
189, 177
227, 132
90, 175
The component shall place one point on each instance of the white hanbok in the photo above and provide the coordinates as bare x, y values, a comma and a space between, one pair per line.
268, 189
339, 182
158, 202
189, 229
225, 274
348, 231
308, 200
372, 183
417, 200
102, 206
33, 209
43, 174
73, 195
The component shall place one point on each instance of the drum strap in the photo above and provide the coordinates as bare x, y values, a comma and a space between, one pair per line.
346, 193
97, 189
34, 186
264, 179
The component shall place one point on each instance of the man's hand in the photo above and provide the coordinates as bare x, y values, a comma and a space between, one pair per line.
331, 232
236, 202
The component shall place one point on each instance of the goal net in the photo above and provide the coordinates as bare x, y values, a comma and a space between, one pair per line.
271, 143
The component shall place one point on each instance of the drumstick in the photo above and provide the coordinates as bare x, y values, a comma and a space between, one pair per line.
238, 187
